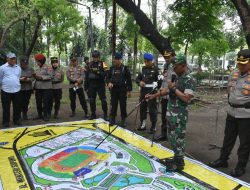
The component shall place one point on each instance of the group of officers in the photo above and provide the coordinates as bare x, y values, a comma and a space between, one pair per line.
175, 87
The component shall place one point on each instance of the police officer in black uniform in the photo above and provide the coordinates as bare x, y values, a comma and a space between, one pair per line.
95, 84
120, 85
147, 79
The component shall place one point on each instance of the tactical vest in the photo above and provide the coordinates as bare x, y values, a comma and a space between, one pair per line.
94, 70
246, 86
148, 75
118, 76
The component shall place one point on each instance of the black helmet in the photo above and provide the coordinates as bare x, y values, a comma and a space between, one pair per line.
96, 54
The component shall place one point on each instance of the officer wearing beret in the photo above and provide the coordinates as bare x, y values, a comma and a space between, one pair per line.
147, 79
26, 80
238, 117
57, 80
75, 76
180, 90
169, 56
120, 84
43, 88
95, 84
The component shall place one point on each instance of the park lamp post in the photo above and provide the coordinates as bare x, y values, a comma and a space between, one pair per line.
90, 23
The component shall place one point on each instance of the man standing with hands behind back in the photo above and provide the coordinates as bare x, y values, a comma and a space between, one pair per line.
238, 117
120, 85
10, 74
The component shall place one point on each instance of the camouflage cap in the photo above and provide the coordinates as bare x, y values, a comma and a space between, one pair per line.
180, 59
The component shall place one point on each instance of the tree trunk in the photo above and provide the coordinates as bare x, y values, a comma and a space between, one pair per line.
243, 10
24, 36
154, 18
186, 48
35, 35
147, 29
48, 39
66, 53
6, 29
106, 17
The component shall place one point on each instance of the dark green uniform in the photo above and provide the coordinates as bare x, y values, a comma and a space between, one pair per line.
177, 114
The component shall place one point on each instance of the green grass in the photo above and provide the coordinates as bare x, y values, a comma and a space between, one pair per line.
74, 160
181, 184
142, 163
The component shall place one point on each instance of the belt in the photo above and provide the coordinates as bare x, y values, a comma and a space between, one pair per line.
149, 86
246, 105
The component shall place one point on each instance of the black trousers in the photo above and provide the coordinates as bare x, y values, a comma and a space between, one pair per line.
25, 100
152, 107
6, 99
237, 127
81, 97
92, 93
118, 94
43, 101
56, 100
164, 103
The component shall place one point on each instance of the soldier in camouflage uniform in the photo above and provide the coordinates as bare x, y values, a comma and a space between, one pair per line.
57, 80
180, 90
26, 85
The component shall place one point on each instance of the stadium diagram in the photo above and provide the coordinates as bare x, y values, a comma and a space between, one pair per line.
64, 156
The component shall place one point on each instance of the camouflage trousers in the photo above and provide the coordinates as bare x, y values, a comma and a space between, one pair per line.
176, 131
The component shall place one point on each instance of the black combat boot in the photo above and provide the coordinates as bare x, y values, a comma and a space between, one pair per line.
239, 170
40, 116
163, 135
152, 128
105, 117
123, 122
112, 121
93, 116
73, 114
46, 117
56, 114
142, 126
86, 115
25, 116
179, 160
219, 163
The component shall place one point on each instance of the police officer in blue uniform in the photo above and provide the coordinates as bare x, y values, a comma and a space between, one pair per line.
120, 85
95, 84
147, 79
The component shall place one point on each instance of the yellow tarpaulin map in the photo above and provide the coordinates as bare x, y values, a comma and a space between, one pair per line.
64, 156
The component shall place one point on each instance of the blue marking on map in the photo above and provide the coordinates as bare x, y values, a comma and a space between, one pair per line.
69, 150
122, 182
82, 172
96, 178
93, 148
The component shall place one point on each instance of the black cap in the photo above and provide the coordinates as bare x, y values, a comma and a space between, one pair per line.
96, 54
169, 52
243, 56
54, 60
85, 59
118, 55
24, 59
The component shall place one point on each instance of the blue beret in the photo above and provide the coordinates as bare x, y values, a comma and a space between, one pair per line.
118, 55
148, 56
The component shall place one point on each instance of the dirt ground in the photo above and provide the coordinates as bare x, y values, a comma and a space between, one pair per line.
201, 130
